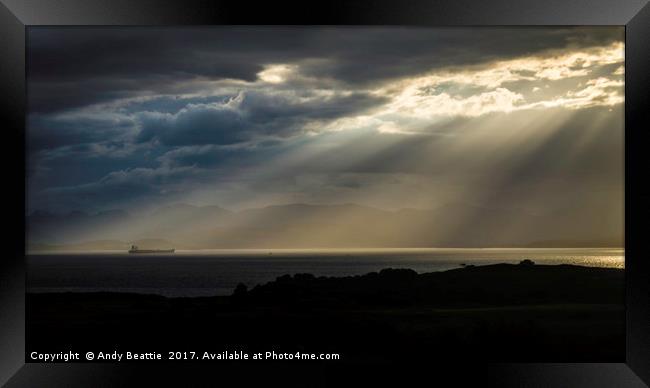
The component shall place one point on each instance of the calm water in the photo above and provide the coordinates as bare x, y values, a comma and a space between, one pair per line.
217, 272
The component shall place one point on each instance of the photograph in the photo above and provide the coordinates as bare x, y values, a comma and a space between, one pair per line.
338, 194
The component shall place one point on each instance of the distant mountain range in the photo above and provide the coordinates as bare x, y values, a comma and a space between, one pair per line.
321, 226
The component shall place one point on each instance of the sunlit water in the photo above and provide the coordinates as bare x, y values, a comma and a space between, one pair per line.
217, 272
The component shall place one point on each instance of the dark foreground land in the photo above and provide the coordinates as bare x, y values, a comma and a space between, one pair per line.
497, 313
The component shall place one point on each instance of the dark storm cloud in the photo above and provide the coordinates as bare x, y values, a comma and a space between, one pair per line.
202, 124
121, 116
121, 188
48, 132
245, 117
105, 63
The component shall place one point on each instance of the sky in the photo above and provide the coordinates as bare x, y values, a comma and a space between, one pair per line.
388, 117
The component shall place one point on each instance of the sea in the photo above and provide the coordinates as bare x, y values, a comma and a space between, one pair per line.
217, 272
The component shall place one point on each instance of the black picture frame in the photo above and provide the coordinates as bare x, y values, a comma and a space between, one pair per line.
17, 15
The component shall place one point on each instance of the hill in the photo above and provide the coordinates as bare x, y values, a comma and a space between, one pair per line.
514, 313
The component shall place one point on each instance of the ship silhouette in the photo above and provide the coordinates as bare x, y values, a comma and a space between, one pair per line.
135, 249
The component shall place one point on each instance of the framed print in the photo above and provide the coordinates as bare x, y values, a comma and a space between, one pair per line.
201, 190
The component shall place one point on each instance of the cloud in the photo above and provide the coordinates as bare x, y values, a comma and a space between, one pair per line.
124, 188
52, 131
248, 116
103, 64
244, 115
194, 124
419, 103
277, 73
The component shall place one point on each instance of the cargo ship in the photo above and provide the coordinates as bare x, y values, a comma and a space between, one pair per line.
135, 249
